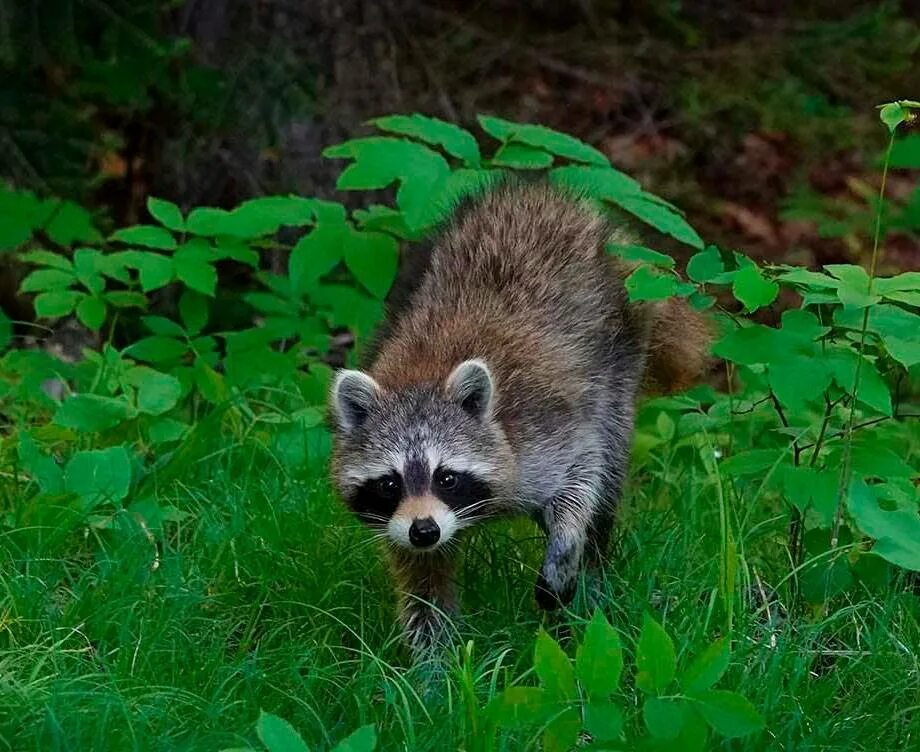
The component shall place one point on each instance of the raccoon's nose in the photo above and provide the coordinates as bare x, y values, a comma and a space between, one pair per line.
424, 532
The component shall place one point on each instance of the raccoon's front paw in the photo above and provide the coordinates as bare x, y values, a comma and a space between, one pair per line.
553, 595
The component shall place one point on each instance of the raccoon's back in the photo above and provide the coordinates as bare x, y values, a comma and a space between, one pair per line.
519, 279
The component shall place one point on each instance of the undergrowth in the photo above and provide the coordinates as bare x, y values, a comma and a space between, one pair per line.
176, 573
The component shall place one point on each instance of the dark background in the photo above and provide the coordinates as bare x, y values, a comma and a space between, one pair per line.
757, 117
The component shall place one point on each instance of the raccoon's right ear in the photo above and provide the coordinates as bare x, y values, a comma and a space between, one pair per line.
471, 386
354, 393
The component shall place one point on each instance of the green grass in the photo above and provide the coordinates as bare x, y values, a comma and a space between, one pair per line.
266, 595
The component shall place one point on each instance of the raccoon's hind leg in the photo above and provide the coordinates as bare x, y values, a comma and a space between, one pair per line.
427, 597
568, 520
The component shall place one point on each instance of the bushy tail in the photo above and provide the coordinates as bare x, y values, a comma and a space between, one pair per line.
678, 345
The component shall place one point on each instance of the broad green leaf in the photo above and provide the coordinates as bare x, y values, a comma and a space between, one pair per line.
807, 487
521, 157
872, 389
708, 667
640, 254
193, 310
154, 271
149, 236
647, 284
798, 380
520, 707
544, 138
561, 734
730, 714
166, 213
363, 739
99, 476
453, 139
165, 430
379, 162
91, 412
125, 299
373, 258
236, 250
806, 278
53, 305
603, 720
664, 718
554, 668
157, 349
705, 265
208, 221
157, 393
278, 735
47, 279
47, 258
752, 290
854, 285
192, 262
265, 215
315, 255
599, 659
662, 218
42, 468
893, 114
750, 345
91, 312
163, 326
656, 661
896, 327
896, 532
902, 282
905, 153
67, 223
601, 183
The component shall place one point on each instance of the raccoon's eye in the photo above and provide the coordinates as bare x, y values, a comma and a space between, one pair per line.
388, 487
445, 479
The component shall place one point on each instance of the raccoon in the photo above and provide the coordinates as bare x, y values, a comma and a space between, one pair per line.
504, 384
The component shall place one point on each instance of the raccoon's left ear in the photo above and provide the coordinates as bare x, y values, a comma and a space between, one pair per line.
353, 395
471, 386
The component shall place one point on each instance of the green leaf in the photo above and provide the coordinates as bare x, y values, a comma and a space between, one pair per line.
750, 462
91, 312
99, 476
896, 327
165, 430
163, 326
553, 668
91, 412
193, 267
521, 157
157, 393
664, 219
381, 161
807, 487
193, 310
647, 284
798, 380
125, 299
544, 138
363, 739
520, 707
47, 279
601, 183
149, 236
750, 345
561, 734
155, 271
157, 349
166, 213
278, 735
603, 720
236, 250
896, 532
54, 305
655, 658
68, 223
43, 469
640, 254
705, 265
599, 659
752, 290
47, 258
315, 255
854, 285
707, 668
729, 714
872, 389
893, 114
373, 258
454, 140
663, 718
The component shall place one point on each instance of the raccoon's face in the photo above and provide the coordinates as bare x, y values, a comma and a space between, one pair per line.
421, 463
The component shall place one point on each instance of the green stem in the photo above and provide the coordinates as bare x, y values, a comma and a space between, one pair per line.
848, 436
